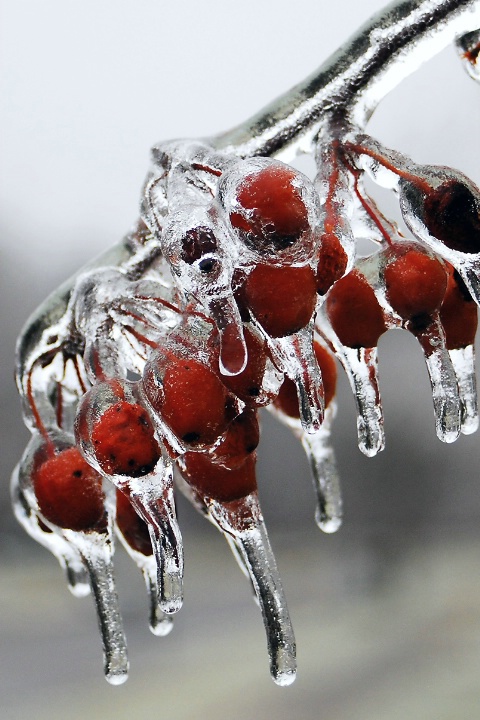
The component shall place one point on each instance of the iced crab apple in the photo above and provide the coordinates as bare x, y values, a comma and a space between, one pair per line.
69, 491
116, 435
234, 237
68, 496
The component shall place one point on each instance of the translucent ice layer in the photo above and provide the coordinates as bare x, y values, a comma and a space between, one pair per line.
154, 360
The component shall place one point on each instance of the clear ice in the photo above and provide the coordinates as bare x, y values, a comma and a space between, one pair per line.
144, 375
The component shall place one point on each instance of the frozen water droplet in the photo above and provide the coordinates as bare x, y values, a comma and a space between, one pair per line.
233, 351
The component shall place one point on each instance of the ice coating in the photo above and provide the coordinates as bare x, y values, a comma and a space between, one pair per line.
463, 361
440, 206
96, 550
66, 554
272, 211
92, 545
323, 466
111, 415
297, 360
134, 535
194, 242
334, 186
468, 48
244, 522
211, 301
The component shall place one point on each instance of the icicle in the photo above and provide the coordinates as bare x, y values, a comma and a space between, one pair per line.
297, 360
96, 550
463, 361
135, 538
446, 400
323, 465
160, 623
329, 511
361, 366
243, 521
160, 516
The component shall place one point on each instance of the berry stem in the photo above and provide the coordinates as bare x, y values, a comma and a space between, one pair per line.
351, 83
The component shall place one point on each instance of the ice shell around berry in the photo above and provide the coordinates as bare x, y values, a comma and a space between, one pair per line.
272, 211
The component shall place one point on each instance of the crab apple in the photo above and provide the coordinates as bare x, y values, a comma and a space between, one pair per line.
332, 262
354, 312
270, 211
282, 298
124, 440
287, 398
217, 482
451, 214
69, 492
240, 440
132, 527
458, 314
198, 242
415, 285
189, 397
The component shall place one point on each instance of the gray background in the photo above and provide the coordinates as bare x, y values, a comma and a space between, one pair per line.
387, 611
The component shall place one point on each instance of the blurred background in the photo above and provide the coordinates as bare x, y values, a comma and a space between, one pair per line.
387, 611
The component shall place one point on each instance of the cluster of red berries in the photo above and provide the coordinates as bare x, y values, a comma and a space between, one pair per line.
195, 405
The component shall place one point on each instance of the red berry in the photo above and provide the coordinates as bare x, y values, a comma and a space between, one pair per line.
217, 482
287, 399
247, 385
198, 242
69, 492
415, 285
192, 399
241, 440
458, 314
332, 262
124, 440
354, 311
452, 215
272, 213
132, 527
282, 298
